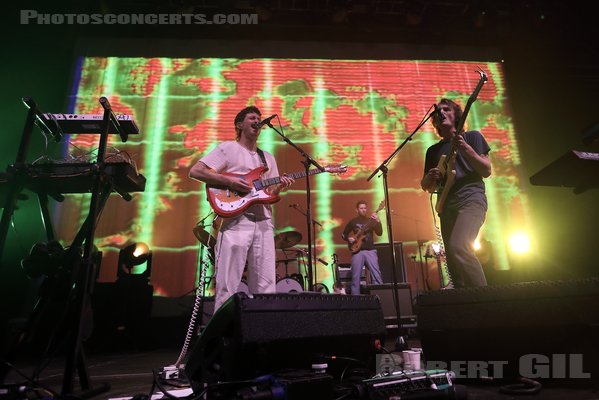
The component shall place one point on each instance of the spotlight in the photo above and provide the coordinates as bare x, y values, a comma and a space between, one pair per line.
45, 258
519, 243
484, 252
135, 255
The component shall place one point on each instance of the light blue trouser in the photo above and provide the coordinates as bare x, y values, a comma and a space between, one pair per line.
358, 260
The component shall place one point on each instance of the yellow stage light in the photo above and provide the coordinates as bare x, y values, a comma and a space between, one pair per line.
519, 243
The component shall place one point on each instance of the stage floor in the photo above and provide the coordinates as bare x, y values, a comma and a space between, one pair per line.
130, 374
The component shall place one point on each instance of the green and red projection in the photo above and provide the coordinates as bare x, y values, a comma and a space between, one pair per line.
351, 112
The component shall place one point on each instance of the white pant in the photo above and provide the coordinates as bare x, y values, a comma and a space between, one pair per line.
242, 240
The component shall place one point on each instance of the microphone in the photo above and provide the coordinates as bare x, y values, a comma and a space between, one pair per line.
294, 205
264, 122
437, 113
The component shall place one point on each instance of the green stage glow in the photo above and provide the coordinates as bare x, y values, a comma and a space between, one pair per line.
348, 112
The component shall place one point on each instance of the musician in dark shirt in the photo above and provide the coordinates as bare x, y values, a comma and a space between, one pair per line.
359, 234
465, 208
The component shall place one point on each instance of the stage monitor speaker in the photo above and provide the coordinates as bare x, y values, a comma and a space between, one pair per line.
385, 261
385, 293
250, 337
508, 325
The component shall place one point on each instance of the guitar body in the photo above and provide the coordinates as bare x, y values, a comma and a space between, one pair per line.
447, 168
355, 246
228, 203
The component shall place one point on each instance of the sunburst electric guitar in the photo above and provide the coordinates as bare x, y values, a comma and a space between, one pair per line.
447, 162
229, 203
361, 233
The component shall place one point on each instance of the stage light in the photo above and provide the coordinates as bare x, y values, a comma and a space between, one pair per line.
519, 243
436, 247
476, 245
132, 256
45, 258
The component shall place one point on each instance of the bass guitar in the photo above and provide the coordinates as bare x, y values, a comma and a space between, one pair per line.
447, 162
361, 233
228, 203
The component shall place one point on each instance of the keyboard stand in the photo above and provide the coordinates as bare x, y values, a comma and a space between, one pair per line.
83, 260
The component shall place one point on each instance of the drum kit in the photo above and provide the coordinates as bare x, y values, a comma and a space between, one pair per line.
205, 239
285, 241
289, 283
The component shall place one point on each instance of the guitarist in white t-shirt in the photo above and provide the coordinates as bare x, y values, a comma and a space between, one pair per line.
248, 236
465, 205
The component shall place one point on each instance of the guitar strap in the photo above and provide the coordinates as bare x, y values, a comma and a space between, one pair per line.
261, 154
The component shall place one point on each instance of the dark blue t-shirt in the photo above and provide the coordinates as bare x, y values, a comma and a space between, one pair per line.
468, 185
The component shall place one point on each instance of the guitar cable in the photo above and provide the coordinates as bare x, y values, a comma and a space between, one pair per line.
441, 249
200, 292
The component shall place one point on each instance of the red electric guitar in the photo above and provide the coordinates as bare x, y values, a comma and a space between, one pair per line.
230, 203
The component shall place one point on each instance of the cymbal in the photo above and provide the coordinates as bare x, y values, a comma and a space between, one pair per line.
287, 239
204, 237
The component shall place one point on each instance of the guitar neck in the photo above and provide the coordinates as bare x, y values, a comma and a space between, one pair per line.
462, 121
295, 175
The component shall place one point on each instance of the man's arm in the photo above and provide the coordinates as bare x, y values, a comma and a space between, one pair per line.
201, 172
378, 227
348, 228
480, 162
430, 181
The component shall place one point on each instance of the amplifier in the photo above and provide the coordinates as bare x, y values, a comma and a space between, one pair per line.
344, 273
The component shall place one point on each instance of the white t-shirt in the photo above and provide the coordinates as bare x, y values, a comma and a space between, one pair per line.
232, 157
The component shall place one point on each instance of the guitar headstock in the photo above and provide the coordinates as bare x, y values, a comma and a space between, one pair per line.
336, 169
483, 74
381, 206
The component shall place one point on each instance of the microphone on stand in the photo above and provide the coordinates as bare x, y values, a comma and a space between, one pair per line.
437, 113
264, 122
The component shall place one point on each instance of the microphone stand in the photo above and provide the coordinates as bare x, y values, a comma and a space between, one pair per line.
384, 170
307, 161
314, 223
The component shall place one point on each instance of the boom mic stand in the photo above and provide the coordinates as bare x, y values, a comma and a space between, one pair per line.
384, 170
307, 161
314, 223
